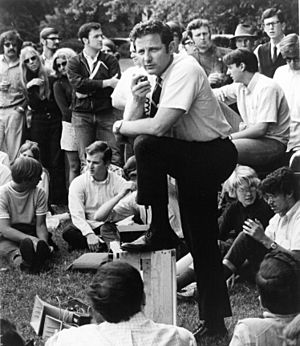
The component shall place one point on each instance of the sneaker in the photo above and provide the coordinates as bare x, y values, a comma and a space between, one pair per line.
27, 252
203, 330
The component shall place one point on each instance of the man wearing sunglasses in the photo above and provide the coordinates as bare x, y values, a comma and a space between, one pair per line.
12, 98
268, 54
50, 39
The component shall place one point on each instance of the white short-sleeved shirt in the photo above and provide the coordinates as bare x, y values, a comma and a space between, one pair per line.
262, 101
285, 230
185, 86
22, 207
289, 80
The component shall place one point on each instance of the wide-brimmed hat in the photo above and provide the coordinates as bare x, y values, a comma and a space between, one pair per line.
244, 30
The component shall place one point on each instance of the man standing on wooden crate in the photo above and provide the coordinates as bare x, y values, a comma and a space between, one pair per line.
186, 136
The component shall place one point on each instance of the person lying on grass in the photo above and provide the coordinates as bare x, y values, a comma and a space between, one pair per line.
24, 237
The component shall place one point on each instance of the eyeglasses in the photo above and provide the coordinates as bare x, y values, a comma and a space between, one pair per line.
54, 38
8, 44
33, 59
188, 43
269, 197
272, 23
248, 189
63, 64
290, 59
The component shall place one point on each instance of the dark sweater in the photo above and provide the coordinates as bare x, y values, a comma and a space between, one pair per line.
63, 96
266, 65
236, 214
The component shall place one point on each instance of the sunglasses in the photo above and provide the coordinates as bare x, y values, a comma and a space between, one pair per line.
33, 59
290, 59
8, 44
63, 64
54, 38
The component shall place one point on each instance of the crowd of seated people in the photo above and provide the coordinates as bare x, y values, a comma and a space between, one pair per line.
60, 102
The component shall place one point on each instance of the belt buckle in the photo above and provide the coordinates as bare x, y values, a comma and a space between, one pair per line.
48, 115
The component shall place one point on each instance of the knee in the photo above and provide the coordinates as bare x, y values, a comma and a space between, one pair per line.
143, 142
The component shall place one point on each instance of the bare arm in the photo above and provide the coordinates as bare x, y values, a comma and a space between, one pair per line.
255, 131
41, 228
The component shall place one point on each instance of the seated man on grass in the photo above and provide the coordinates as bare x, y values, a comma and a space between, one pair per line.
87, 193
117, 296
24, 238
278, 286
264, 131
280, 191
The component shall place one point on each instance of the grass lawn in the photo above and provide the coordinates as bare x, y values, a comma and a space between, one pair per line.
18, 291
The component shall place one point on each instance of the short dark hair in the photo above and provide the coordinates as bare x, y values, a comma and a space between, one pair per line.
26, 169
100, 147
117, 291
278, 283
86, 28
33, 147
281, 181
152, 27
13, 36
198, 23
47, 32
9, 334
242, 55
175, 28
271, 12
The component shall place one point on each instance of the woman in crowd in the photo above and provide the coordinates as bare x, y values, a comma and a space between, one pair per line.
243, 186
63, 96
46, 118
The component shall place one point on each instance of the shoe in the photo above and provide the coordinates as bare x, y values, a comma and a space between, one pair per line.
189, 293
203, 330
148, 242
27, 252
43, 252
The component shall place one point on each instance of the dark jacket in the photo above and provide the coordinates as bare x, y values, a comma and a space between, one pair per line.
63, 96
266, 65
98, 98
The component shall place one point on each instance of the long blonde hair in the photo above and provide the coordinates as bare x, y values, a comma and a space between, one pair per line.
44, 90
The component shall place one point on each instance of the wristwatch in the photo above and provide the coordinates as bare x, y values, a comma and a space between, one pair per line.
118, 126
273, 246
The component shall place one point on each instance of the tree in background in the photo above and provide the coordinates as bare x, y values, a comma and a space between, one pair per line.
119, 16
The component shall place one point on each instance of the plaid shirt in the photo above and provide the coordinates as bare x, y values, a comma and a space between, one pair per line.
138, 331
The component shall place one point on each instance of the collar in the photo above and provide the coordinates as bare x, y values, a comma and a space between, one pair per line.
268, 314
251, 86
163, 75
291, 212
15, 63
88, 58
277, 45
139, 319
102, 182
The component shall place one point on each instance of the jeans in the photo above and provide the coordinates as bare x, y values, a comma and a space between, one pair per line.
199, 168
11, 131
260, 151
91, 127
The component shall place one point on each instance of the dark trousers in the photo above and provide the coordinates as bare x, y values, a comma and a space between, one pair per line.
199, 168
73, 236
46, 131
245, 248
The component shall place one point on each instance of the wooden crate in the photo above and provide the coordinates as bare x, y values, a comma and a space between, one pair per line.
158, 269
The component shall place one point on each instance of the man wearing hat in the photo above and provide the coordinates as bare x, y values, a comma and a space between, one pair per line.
50, 39
288, 77
244, 37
